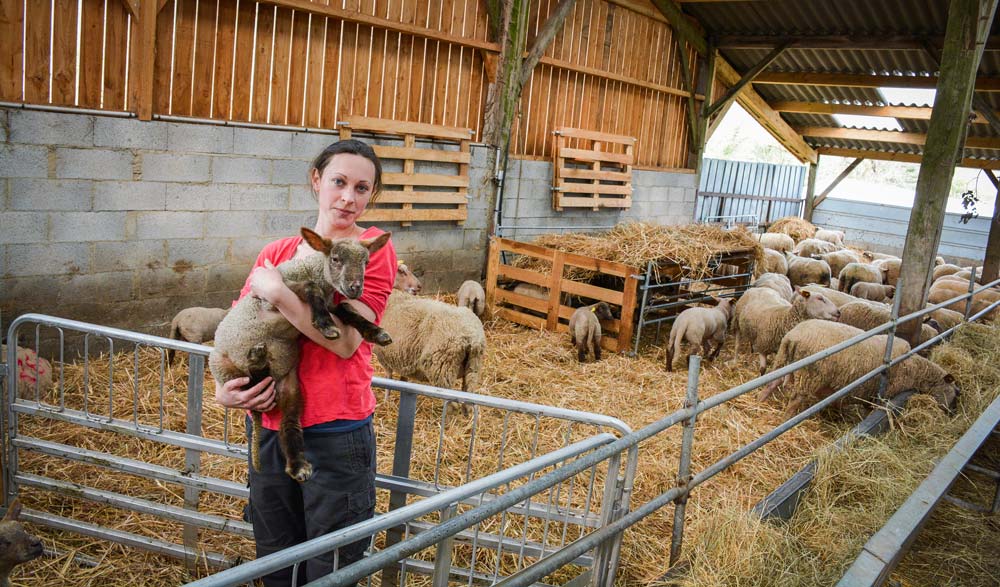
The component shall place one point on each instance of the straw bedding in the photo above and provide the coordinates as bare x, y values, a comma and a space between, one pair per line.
795, 227
637, 390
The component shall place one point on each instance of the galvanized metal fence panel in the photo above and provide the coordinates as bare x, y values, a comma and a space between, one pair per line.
749, 193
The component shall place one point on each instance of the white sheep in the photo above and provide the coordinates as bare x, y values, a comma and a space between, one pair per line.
812, 246
433, 341
822, 378
866, 315
777, 241
699, 327
778, 283
945, 269
831, 236
803, 271
33, 372
947, 319
472, 296
944, 290
873, 256
17, 546
774, 262
890, 269
838, 298
837, 260
195, 325
762, 318
585, 329
405, 279
856, 272
531, 290
873, 291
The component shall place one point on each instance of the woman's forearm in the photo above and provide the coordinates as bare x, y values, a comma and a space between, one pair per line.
299, 314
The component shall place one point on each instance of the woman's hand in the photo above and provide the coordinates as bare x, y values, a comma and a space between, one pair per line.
266, 283
259, 398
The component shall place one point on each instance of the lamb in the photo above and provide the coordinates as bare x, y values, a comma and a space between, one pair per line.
820, 379
837, 297
763, 318
699, 327
831, 236
255, 340
778, 283
406, 280
17, 546
472, 296
195, 325
872, 256
774, 262
857, 272
867, 315
837, 260
873, 291
942, 291
966, 274
585, 329
812, 246
945, 269
777, 241
803, 271
890, 269
33, 372
435, 342
531, 290
947, 319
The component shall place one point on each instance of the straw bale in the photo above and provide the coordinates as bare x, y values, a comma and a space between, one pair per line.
795, 227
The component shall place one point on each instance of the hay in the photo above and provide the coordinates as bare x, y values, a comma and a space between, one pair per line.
795, 227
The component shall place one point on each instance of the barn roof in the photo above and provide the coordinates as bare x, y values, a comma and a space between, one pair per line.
862, 38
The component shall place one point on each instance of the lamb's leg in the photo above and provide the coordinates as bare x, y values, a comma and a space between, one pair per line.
258, 430
350, 317
715, 353
581, 351
290, 434
313, 295
257, 364
597, 347
762, 360
770, 389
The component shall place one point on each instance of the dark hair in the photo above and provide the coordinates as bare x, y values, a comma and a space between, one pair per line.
353, 147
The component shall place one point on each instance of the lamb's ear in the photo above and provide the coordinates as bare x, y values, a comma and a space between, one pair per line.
948, 378
376, 243
315, 241
13, 512
804, 293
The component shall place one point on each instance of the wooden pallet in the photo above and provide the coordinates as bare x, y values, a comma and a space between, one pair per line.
552, 314
409, 197
597, 176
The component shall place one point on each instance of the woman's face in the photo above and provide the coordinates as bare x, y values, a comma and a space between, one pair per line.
343, 189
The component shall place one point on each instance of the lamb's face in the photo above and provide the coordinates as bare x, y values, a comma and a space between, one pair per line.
16, 544
819, 306
603, 311
345, 267
946, 393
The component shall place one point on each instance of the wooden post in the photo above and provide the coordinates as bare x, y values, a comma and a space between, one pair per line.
968, 26
991, 267
811, 191
706, 82
147, 47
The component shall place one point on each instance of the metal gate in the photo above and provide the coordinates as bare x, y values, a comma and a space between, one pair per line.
754, 194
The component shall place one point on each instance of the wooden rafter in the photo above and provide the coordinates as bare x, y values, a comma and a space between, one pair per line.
910, 112
686, 30
903, 157
888, 136
889, 42
980, 106
856, 80
746, 79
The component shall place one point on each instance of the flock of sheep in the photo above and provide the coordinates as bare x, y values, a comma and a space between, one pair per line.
814, 294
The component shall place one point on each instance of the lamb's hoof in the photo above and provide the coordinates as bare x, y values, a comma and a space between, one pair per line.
382, 338
300, 472
257, 356
330, 332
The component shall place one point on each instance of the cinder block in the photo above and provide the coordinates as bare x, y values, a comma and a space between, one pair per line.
47, 259
290, 172
287, 223
477, 218
24, 161
257, 197
169, 225
196, 252
169, 281
690, 195
51, 128
51, 194
408, 241
307, 145
22, 292
268, 143
174, 168
301, 199
87, 226
481, 157
114, 286
468, 260
130, 195
128, 255
445, 240
198, 196
199, 138
472, 239
435, 167
230, 224
129, 133
23, 227
244, 251
241, 170
93, 164
392, 166
226, 278
536, 170
4, 125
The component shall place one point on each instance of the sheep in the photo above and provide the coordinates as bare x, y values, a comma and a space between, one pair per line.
778, 283
872, 256
947, 319
436, 342
966, 274
531, 290
763, 318
195, 325
17, 546
33, 372
938, 261
700, 326
837, 260
873, 291
857, 272
405, 279
585, 329
838, 298
890, 269
867, 315
945, 269
822, 378
774, 262
834, 283
831, 236
812, 246
255, 340
942, 291
803, 271
777, 241
472, 296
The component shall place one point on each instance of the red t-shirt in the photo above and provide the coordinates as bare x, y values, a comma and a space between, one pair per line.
335, 388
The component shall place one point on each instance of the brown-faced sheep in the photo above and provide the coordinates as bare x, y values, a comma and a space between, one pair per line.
866, 315
406, 280
822, 378
777, 241
803, 271
195, 325
435, 342
699, 327
838, 298
837, 260
17, 546
945, 269
873, 291
774, 262
778, 283
762, 318
831, 236
472, 296
256, 340
585, 329
857, 272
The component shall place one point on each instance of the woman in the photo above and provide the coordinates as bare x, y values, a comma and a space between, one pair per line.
335, 378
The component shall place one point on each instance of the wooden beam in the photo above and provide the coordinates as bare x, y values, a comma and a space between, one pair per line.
552, 26
888, 136
706, 64
903, 157
810, 203
746, 78
909, 112
980, 106
147, 48
991, 266
133, 8
685, 29
763, 114
833, 184
859, 42
854, 80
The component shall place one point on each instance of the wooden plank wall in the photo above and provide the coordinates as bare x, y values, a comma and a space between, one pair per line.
610, 69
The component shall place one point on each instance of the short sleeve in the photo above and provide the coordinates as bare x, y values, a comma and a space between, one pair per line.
276, 252
380, 276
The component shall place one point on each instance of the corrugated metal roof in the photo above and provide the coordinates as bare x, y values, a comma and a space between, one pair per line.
877, 19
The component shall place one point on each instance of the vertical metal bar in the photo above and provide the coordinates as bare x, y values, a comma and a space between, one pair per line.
642, 306
111, 379
972, 286
527, 501
883, 378
400, 468
192, 457
62, 372
10, 420
624, 489
442, 557
602, 556
684, 468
